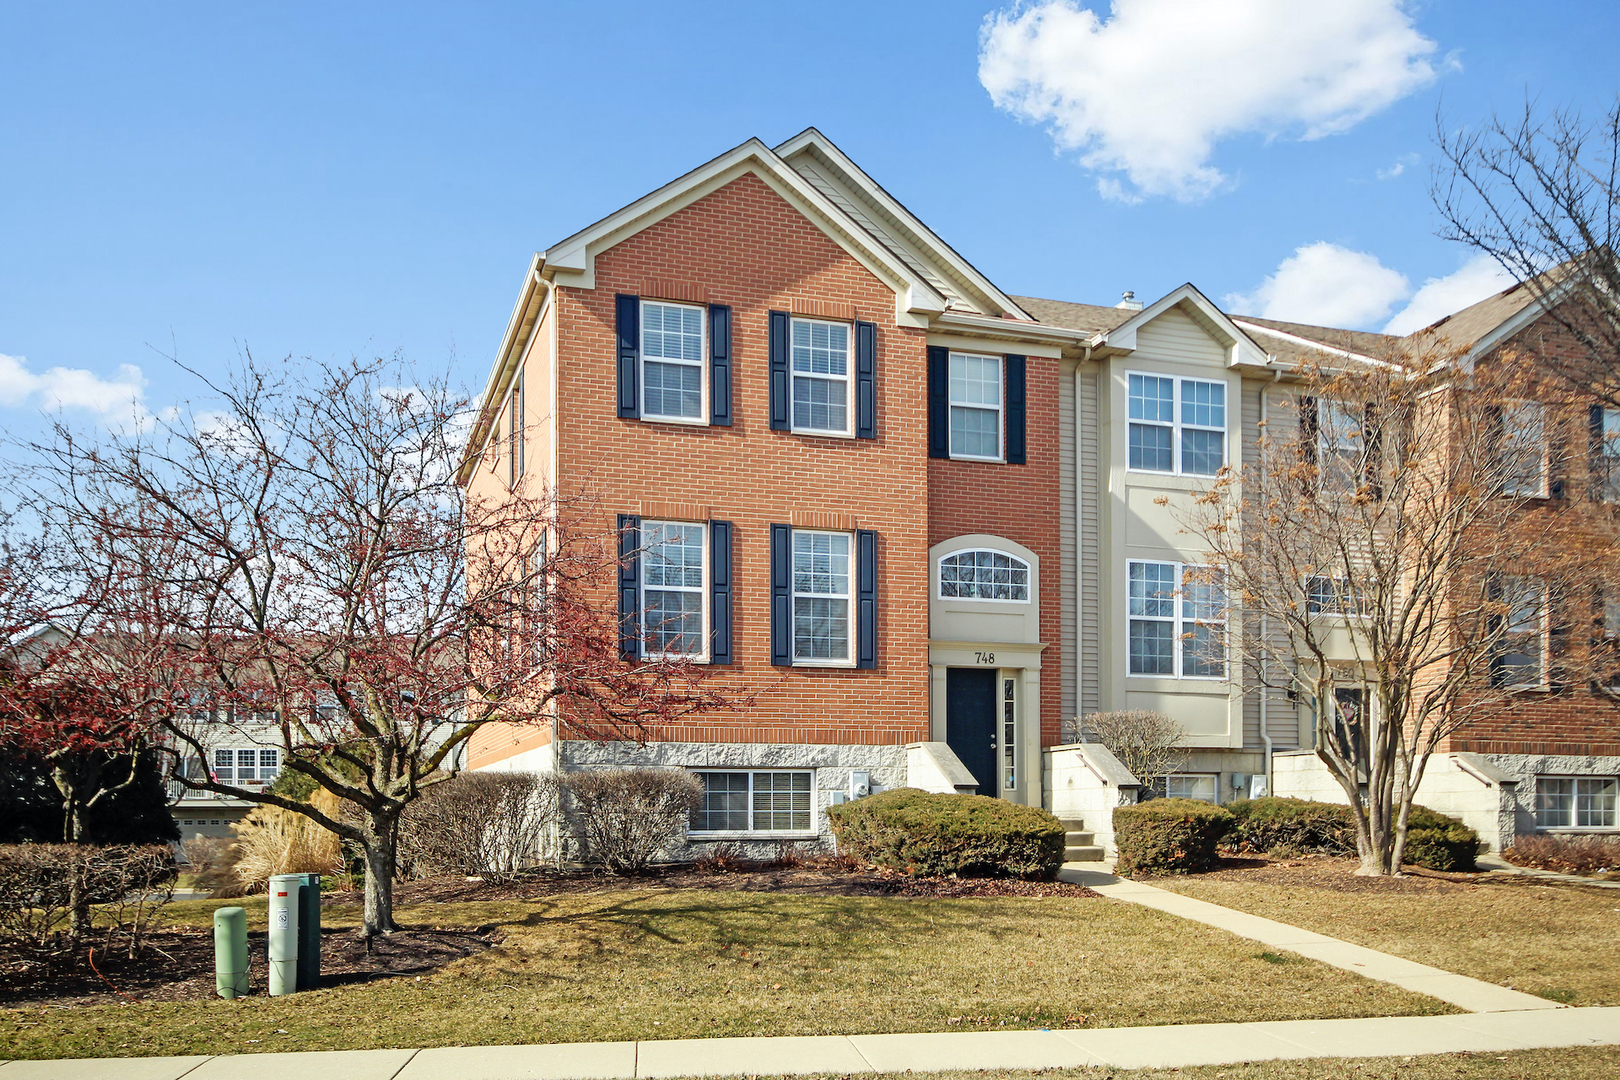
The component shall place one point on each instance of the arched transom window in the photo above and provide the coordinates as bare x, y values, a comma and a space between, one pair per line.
983, 575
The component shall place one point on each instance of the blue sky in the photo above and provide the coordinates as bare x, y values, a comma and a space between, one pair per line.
338, 178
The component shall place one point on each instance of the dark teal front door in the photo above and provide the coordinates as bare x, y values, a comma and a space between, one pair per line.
970, 722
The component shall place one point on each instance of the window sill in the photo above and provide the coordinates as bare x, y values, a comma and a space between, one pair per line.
681, 421
834, 665
981, 460
815, 434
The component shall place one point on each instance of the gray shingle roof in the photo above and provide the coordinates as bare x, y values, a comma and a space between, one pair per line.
1088, 318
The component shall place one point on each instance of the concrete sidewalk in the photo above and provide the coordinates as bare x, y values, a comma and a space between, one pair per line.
1475, 995
1128, 1048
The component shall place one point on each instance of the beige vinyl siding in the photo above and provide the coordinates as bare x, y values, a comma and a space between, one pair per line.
1068, 536
1176, 337
1250, 413
1090, 467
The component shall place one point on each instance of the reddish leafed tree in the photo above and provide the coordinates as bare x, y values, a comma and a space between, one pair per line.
317, 567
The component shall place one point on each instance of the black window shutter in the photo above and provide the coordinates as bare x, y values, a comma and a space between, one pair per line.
720, 592
1558, 625
1308, 428
1557, 450
1597, 468
1494, 624
939, 407
1372, 441
1014, 378
865, 380
782, 595
630, 586
866, 643
720, 365
629, 332
780, 390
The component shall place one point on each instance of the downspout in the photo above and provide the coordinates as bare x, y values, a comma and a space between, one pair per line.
1265, 636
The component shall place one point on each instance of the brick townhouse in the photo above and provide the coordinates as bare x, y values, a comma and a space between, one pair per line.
928, 522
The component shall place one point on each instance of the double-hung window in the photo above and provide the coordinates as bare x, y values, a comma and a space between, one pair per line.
1522, 653
1176, 425
1341, 444
821, 369
821, 597
1522, 453
975, 404
672, 597
1605, 463
1177, 617
671, 361
244, 766
766, 802
1576, 802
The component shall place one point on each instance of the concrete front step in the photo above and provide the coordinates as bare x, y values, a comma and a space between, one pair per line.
1083, 853
1072, 824
1079, 839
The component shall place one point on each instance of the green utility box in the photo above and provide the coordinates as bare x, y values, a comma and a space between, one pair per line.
230, 952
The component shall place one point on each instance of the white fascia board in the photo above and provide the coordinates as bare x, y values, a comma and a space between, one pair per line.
1034, 339
1241, 349
1535, 309
572, 261
937, 249
1283, 335
527, 314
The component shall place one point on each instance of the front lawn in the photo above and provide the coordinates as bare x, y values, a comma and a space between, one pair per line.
660, 963
1562, 942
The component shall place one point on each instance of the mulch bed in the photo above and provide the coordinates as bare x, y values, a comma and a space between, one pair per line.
1339, 875
815, 877
179, 966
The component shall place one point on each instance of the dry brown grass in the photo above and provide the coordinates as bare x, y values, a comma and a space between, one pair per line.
642, 963
1561, 942
272, 841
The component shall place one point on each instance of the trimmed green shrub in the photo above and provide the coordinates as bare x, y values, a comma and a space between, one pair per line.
926, 835
1291, 826
1168, 836
1439, 842
1273, 825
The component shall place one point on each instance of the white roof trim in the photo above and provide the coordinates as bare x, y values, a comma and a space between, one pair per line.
1307, 342
576, 253
1240, 348
937, 249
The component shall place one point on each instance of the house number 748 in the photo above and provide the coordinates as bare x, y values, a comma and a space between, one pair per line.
985, 657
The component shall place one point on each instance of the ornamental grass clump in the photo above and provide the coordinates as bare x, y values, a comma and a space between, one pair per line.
941, 835
1168, 836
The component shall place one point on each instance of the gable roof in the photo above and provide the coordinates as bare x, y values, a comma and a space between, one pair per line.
887, 221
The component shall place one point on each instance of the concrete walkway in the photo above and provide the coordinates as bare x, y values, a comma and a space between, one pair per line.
840, 1055
1475, 995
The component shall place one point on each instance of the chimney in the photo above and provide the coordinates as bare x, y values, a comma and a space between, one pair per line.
1129, 301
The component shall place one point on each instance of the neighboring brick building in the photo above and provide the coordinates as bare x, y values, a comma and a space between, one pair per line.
929, 524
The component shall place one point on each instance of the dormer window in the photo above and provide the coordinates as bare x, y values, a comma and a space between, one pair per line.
983, 575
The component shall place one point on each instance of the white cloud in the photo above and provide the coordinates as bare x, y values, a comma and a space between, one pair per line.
1146, 93
1476, 279
119, 402
1398, 168
1325, 285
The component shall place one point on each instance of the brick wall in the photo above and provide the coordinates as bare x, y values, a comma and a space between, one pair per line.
744, 246
1019, 502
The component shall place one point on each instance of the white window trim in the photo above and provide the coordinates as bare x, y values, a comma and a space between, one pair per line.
702, 418
1181, 622
1574, 806
1342, 591
1176, 426
939, 577
1544, 617
1213, 800
1000, 408
775, 834
1545, 489
848, 430
258, 766
701, 656
849, 598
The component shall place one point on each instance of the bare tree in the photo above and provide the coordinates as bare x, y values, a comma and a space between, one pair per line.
313, 561
1537, 191
1147, 743
1396, 554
